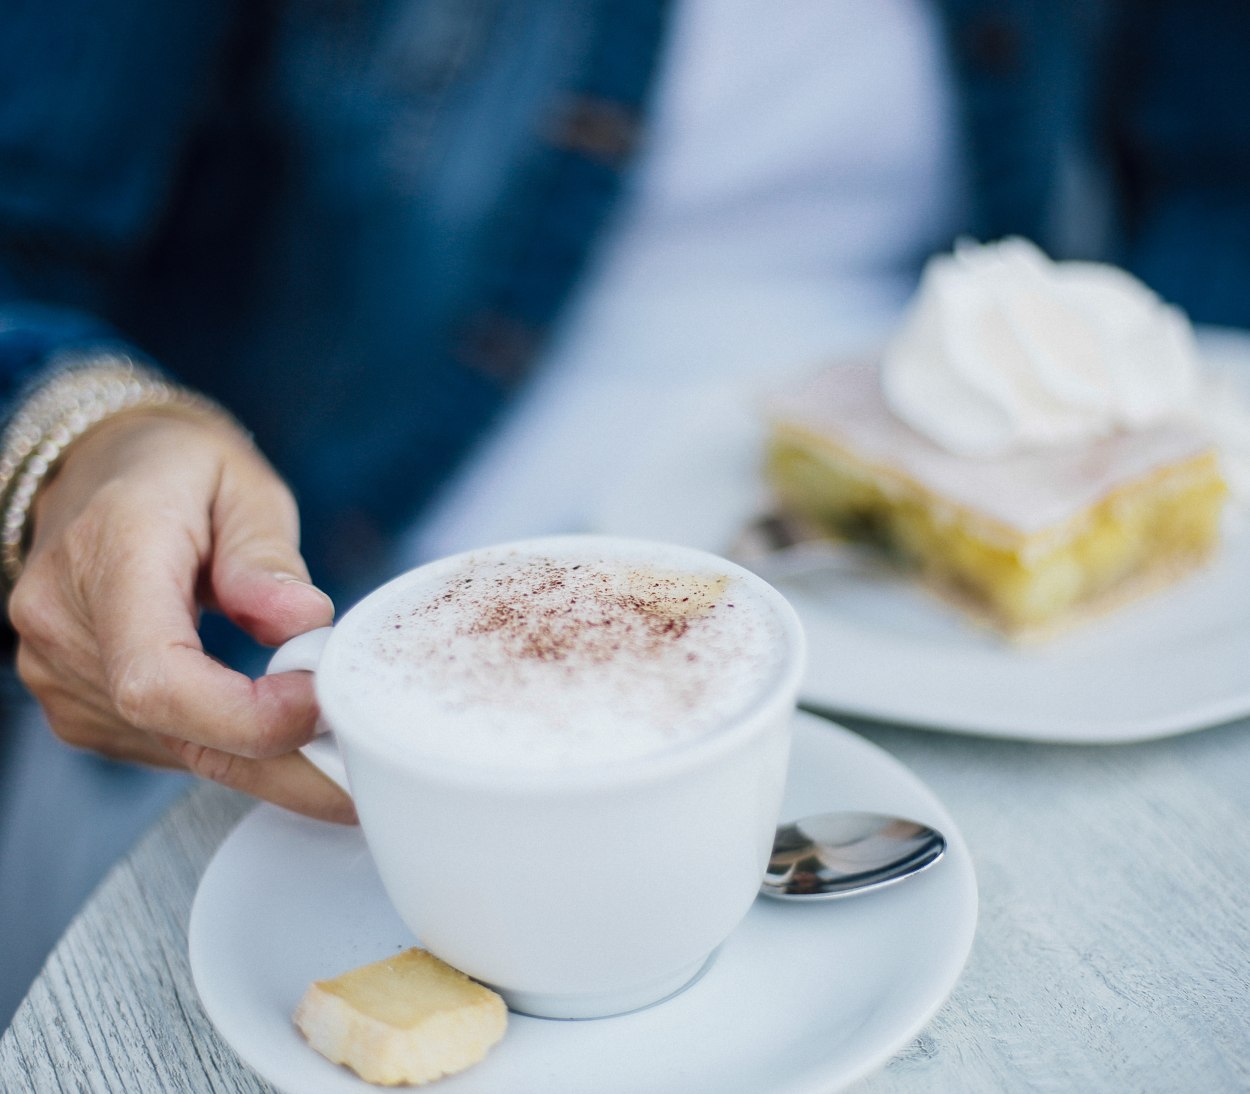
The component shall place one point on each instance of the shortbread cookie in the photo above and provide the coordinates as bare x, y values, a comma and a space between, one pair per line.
406, 1019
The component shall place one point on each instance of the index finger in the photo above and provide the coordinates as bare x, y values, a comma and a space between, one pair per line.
160, 680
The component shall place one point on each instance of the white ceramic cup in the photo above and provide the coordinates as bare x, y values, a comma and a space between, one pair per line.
579, 892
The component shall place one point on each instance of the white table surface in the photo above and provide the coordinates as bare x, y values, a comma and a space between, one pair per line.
1112, 952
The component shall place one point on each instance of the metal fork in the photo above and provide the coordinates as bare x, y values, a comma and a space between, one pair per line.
778, 546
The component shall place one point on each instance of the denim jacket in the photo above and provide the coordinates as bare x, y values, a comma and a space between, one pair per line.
354, 223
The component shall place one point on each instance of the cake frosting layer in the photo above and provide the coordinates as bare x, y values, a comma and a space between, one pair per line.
1025, 492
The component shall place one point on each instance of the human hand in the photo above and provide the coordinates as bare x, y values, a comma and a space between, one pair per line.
150, 516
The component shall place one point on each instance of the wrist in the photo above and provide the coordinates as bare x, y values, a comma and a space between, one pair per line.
80, 398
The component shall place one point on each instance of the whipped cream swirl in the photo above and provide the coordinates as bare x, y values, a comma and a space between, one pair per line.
1004, 350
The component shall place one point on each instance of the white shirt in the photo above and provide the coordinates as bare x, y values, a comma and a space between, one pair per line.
800, 163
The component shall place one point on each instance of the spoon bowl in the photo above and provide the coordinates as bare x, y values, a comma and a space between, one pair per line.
833, 855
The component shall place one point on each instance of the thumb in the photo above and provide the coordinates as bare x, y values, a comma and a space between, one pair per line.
259, 579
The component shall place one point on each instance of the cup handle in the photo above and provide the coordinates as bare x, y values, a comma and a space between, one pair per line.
302, 653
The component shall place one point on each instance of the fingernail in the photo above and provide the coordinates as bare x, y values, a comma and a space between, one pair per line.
291, 579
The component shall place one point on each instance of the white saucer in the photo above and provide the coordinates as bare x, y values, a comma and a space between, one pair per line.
800, 998
881, 647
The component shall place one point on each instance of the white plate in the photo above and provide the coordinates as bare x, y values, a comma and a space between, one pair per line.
880, 647
800, 998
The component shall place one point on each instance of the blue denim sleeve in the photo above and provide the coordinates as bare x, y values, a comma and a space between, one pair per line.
96, 101
32, 335
1177, 91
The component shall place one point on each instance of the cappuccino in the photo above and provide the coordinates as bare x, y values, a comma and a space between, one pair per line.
567, 755
559, 658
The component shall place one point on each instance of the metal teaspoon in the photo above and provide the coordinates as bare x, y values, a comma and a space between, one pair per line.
832, 855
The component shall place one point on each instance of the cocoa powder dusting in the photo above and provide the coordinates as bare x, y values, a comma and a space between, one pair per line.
594, 622
548, 610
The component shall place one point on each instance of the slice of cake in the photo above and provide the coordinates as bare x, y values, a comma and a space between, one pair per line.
1004, 447
406, 1019
1025, 540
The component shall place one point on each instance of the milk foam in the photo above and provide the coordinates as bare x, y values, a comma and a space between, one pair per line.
552, 661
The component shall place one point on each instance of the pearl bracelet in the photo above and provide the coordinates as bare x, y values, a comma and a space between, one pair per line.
74, 400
